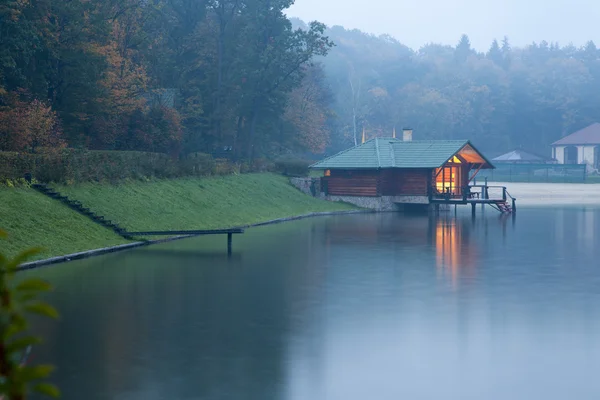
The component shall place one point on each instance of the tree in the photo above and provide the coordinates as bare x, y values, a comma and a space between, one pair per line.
495, 54
307, 112
275, 68
29, 127
463, 49
41, 128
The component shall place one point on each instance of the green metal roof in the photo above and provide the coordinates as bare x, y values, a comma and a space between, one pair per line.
394, 153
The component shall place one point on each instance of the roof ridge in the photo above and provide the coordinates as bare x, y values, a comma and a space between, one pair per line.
377, 152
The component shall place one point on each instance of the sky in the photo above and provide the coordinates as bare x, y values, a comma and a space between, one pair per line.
418, 22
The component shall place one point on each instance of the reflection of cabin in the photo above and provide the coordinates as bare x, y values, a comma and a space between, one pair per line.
384, 172
581, 147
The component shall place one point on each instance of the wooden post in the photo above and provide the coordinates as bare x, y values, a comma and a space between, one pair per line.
514, 205
473, 205
229, 240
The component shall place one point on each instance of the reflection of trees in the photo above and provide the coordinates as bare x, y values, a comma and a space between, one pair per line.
189, 327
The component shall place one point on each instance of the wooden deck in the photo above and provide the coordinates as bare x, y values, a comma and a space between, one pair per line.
496, 196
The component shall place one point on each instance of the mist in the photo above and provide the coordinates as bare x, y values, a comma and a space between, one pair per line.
438, 21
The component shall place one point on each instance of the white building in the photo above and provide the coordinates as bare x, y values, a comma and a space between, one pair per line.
581, 147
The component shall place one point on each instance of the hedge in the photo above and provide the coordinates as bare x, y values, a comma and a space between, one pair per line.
292, 167
70, 166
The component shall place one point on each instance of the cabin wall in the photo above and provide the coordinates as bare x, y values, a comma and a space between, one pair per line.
405, 182
352, 183
372, 183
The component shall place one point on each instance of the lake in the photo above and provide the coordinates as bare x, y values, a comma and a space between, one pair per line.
370, 306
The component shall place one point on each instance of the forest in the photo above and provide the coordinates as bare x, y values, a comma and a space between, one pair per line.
240, 77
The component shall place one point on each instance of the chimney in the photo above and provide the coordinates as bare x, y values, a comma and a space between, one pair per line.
406, 135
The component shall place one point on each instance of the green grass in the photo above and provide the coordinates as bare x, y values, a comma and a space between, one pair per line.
34, 220
194, 203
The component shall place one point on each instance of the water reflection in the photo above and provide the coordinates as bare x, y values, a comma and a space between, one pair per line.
348, 307
455, 252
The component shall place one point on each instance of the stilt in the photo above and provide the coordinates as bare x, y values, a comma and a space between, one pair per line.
473, 209
455, 210
514, 205
229, 240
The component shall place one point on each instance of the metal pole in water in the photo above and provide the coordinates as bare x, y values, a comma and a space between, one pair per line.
229, 240
485, 194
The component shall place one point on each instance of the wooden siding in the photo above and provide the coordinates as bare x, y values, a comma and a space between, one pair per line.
405, 182
371, 183
352, 183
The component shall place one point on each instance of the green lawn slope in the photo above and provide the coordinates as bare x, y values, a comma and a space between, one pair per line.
193, 203
33, 220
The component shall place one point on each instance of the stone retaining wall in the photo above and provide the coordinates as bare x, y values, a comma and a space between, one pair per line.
309, 186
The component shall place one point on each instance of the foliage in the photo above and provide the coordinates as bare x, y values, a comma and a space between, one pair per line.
29, 127
70, 166
292, 166
170, 76
18, 300
306, 113
505, 98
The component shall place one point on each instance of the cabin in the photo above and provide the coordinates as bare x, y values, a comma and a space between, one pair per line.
387, 173
581, 147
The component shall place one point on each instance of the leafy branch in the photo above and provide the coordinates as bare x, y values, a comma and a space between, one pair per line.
18, 300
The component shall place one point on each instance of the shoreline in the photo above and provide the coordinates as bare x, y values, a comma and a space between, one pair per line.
528, 195
122, 247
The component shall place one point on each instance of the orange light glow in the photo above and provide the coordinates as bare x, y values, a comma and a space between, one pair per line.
446, 179
455, 257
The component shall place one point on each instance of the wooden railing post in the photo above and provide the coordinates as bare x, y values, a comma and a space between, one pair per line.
504, 193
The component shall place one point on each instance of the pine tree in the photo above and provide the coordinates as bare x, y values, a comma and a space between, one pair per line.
463, 49
495, 53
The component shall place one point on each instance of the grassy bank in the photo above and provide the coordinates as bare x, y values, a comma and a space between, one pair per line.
32, 219
191, 203
187, 203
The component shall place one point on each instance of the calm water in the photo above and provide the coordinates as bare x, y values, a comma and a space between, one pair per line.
349, 307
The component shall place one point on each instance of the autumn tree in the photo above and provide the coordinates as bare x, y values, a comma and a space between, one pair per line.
307, 112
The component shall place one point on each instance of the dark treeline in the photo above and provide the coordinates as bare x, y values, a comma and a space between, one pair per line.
160, 75
181, 76
504, 98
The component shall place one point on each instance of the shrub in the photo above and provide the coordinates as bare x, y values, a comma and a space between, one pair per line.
68, 166
292, 167
20, 300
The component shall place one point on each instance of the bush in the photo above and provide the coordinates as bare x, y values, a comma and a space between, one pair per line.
292, 167
70, 166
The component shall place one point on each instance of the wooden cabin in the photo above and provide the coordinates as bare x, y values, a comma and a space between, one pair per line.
410, 171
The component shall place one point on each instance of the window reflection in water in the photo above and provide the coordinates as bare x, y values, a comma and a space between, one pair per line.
455, 255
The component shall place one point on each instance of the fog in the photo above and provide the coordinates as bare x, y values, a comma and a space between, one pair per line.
441, 21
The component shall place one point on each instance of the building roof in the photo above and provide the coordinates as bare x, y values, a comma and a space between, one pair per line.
519, 155
394, 153
589, 135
